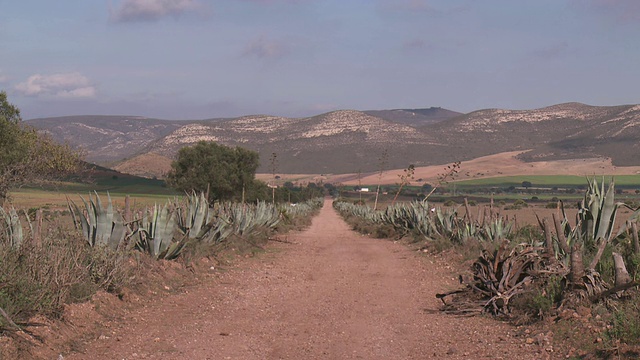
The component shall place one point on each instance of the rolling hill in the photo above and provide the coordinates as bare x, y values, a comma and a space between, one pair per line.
349, 141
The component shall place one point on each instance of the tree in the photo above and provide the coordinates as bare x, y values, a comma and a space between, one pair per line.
527, 184
225, 171
27, 156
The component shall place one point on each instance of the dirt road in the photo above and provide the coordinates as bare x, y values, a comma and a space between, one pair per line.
331, 294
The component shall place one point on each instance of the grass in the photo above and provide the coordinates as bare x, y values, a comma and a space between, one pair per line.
40, 278
547, 181
26, 198
625, 324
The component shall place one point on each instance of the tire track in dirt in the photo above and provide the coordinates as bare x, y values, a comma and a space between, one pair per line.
332, 294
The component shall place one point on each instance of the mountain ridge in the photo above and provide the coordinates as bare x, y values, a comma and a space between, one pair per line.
347, 141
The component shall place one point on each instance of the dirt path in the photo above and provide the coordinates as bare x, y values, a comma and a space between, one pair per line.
332, 294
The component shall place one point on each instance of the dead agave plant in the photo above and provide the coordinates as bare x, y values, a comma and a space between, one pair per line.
497, 277
503, 274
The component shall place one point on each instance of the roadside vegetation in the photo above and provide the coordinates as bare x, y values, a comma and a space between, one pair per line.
61, 247
581, 272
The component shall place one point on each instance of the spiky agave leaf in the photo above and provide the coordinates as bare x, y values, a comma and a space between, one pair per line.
101, 227
13, 226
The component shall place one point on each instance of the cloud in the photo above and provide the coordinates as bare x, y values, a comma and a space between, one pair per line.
152, 10
3, 78
264, 48
69, 85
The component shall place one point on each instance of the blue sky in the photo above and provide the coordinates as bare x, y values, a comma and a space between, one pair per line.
196, 59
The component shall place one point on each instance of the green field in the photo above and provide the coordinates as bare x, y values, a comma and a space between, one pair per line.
627, 181
142, 191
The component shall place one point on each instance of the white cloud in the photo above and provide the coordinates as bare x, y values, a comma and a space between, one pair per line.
69, 85
152, 10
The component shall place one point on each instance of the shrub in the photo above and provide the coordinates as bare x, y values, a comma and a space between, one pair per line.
625, 324
450, 203
530, 234
542, 299
518, 204
41, 278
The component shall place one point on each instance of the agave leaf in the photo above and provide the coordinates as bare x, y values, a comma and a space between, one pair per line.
13, 226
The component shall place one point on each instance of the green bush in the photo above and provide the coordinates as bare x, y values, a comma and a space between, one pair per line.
530, 234
542, 299
625, 324
518, 204
450, 203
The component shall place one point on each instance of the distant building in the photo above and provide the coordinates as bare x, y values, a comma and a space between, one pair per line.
364, 189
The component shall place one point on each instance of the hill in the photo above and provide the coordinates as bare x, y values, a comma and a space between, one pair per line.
415, 117
106, 139
348, 141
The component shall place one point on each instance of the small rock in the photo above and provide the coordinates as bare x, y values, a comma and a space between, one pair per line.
529, 341
103, 337
566, 314
451, 351
576, 315
541, 339
584, 311
598, 340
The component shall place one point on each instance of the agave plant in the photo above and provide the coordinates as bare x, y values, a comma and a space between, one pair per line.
13, 226
495, 230
300, 209
447, 223
246, 219
100, 227
407, 217
467, 230
194, 217
593, 229
156, 235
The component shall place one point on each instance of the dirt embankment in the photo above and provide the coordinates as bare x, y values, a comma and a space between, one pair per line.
327, 294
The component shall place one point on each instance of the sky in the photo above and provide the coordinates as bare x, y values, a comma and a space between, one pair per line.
199, 59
